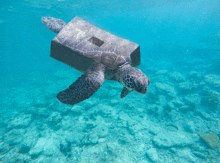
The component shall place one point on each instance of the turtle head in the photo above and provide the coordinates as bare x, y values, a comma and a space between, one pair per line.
135, 80
55, 25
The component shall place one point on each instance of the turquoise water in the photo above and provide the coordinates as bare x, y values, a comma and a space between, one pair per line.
176, 121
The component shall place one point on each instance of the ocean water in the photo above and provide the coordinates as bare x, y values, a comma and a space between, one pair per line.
177, 121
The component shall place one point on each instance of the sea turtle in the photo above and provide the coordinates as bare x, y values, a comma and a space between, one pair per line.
98, 55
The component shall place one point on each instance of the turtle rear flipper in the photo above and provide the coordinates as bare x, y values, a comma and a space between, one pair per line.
84, 87
55, 25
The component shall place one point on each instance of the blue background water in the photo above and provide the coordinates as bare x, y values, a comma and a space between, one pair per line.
180, 53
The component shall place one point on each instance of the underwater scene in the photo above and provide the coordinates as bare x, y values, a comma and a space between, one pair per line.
176, 121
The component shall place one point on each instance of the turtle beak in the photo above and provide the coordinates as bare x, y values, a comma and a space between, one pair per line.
148, 81
143, 90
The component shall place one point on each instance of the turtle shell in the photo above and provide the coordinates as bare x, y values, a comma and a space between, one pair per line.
79, 44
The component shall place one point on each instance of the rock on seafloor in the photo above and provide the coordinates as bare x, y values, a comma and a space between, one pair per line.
49, 146
166, 89
152, 154
186, 87
13, 137
21, 121
167, 139
177, 77
54, 118
213, 80
4, 147
105, 111
210, 98
211, 139
194, 74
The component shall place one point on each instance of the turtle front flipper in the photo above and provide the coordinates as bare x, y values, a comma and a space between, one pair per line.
125, 91
84, 87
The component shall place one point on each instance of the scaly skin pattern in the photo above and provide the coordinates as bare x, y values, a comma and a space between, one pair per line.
133, 79
55, 25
